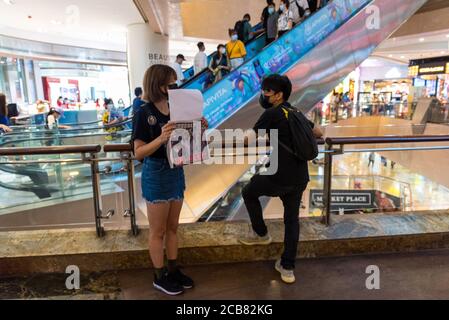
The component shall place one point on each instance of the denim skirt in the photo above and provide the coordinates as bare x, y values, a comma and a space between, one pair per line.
160, 183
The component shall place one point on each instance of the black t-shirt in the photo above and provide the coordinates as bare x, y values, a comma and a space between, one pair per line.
291, 171
147, 127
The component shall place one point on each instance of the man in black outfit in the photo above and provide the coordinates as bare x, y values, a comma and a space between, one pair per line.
288, 183
266, 15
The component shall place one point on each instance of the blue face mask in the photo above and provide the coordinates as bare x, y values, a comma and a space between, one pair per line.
234, 37
270, 10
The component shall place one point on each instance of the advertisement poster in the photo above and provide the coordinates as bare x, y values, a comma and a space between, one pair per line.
240, 86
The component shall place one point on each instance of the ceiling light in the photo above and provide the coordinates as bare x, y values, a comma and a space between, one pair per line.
56, 22
421, 39
402, 57
390, 55
8, 2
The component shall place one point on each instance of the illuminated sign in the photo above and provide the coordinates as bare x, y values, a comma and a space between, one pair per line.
432, 70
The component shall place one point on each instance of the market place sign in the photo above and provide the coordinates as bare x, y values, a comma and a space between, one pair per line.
352, 200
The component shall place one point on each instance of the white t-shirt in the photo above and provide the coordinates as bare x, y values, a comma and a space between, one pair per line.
179, 73
200, 62
284, 19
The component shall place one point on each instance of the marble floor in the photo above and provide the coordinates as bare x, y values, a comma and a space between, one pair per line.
421, 275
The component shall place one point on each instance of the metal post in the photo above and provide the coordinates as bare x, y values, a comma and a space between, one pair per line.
327, 185
131, 212
98, 206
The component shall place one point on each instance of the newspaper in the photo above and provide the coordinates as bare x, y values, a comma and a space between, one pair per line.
188, 144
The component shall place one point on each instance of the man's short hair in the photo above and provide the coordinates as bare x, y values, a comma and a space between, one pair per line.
200, 45
138, 91
278, 83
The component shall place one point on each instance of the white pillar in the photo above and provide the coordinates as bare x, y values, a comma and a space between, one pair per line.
145, 48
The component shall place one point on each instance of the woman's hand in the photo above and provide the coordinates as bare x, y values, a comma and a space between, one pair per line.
167, 130
5, 128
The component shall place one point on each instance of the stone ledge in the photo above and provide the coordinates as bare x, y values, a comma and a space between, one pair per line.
203, 243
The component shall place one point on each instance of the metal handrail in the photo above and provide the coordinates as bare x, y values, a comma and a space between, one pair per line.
126, 155
386, 139
93, 148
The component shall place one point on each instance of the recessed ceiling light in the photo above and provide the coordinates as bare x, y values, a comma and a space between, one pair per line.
390, 55
421, 39
9, 2
56, 22
402, 57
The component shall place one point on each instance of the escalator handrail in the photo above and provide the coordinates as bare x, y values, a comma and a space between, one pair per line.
71, 130
89, 148
62, 137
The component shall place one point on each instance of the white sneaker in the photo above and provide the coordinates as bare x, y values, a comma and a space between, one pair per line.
288, 276
253, 239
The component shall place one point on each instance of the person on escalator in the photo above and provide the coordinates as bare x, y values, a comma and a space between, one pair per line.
177, 66
243, 28
219, 64
266, 15
285, 21
200, 61
291, 178
235, 50
272, 24
163, 188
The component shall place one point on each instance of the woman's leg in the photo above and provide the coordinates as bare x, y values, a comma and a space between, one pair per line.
157, 217
171, 241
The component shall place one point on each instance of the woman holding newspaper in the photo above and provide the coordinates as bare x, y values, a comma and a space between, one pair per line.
162, 187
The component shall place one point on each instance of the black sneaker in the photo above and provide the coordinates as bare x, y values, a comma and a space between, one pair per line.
168, 285
182, 279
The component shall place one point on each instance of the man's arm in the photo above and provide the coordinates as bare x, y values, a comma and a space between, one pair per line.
318, 132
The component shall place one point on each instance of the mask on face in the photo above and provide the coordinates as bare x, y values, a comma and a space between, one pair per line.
270, 10
173, 86
223, 50
282, 7
234, 37
265, 102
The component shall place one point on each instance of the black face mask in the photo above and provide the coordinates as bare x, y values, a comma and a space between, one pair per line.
173, 86
265, 102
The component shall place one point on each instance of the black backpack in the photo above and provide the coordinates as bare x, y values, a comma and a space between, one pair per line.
305, 146
240, 28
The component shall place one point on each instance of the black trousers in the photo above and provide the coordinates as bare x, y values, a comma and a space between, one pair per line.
291, 198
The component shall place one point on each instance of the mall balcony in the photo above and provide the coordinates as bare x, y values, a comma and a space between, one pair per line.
379, 188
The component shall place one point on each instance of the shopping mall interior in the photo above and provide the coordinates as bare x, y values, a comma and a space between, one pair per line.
373, 75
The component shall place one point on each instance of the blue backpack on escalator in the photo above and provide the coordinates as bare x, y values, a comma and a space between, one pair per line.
305, 146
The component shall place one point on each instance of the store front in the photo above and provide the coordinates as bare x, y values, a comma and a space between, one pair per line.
430, 78
36, 85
